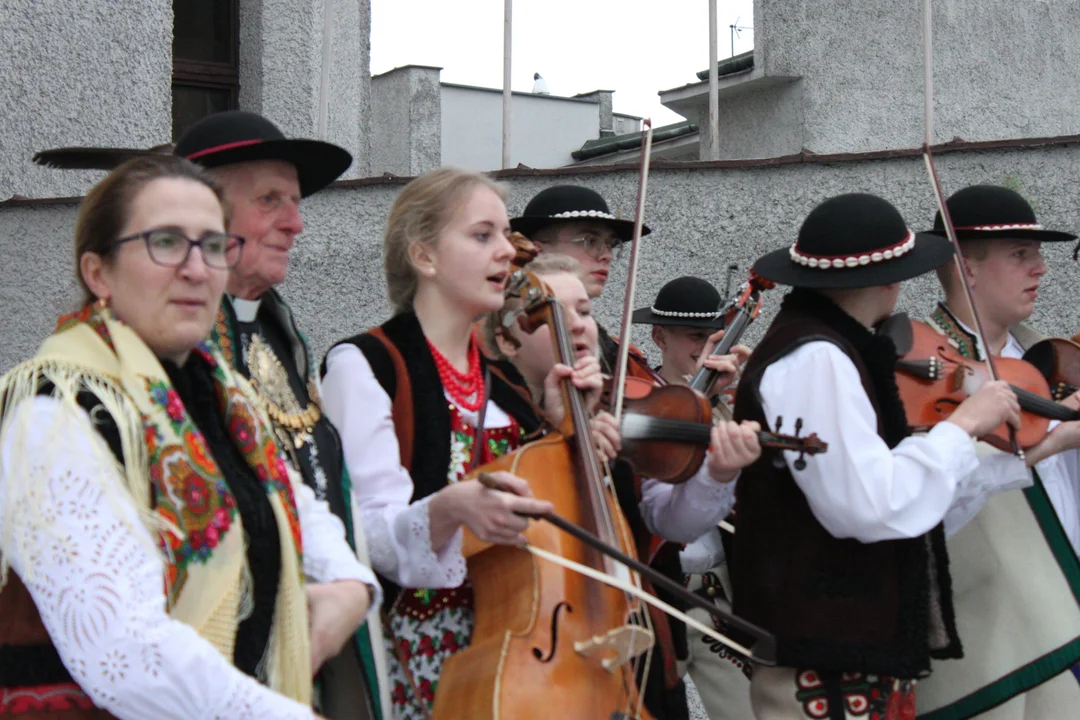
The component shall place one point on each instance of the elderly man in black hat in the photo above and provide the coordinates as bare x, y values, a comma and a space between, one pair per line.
265, 176
1013, 551
842, 555
683, 317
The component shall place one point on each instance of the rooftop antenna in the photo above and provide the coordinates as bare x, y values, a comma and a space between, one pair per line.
736, 31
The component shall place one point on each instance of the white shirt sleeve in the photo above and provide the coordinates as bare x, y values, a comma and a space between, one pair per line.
89, 564
860, 488
327, 555
997, 472
685, 512
398, 531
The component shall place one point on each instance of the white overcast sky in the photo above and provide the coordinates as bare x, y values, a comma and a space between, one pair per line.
633, 47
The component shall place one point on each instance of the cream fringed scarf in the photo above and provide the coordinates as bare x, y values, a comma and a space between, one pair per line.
173, 481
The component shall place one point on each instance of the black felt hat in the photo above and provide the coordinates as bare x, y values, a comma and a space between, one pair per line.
227, 138
854, 241
989, 211
568, 203
687, 302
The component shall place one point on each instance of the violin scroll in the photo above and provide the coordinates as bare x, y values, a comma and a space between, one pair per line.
809, 445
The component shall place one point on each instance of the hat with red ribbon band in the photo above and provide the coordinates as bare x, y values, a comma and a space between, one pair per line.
236, 136
991, 211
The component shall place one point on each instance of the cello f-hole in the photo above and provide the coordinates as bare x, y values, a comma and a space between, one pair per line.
537, 652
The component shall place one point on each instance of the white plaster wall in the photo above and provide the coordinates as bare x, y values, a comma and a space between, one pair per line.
702, 220
545, 130
80, 72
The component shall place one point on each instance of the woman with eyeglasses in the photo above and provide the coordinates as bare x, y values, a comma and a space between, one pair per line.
153, 542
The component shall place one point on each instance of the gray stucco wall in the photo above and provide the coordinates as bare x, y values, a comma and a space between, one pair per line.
702, 220
406, 121
1001, 70
281, 65
84, 73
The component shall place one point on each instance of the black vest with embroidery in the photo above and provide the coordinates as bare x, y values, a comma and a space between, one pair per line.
430, 461
835, 604
430, 412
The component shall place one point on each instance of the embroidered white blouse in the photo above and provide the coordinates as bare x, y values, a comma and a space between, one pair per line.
398, 531
89, 564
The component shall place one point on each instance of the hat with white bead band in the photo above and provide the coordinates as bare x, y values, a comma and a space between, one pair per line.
569, 203
686, 302
854, 241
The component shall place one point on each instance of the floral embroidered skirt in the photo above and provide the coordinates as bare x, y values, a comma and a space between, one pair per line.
428, 626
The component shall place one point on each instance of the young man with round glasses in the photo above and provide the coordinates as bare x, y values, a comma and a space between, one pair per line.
575, 221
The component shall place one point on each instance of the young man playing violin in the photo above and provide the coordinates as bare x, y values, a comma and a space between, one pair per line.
685, 322
1016, 581
842, 555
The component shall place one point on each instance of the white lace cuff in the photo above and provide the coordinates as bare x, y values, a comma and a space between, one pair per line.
399, 541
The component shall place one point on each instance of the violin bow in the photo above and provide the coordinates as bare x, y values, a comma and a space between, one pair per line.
943, 208
623, 361
764, 650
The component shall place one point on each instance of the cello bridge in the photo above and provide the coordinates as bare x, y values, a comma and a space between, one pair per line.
626, 642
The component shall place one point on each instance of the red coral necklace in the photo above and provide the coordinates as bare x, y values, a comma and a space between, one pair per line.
464, 388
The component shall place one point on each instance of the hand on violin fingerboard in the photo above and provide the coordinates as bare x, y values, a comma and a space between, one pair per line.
606, 435
1065, 436
585, 375
727, 366
733, 446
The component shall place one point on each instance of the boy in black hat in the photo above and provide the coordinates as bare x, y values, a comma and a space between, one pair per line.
683, 318
842, 555
1012, 550
265, 175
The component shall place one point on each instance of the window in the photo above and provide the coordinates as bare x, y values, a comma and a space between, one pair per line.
206, 60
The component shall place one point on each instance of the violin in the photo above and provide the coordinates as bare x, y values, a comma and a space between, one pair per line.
1059, 362
738, 312
666, 432
934, 378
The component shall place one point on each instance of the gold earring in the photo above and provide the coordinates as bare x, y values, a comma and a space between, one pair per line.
102, 303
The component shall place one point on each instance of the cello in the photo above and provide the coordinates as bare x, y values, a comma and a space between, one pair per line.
541, 626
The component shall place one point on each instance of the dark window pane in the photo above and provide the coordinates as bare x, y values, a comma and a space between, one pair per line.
191, 104
203, 30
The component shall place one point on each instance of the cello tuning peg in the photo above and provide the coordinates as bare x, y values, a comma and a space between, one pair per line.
798, 428
778, 461
799, 463
779, 423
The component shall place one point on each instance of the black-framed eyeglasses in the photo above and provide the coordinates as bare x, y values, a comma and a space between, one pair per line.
171, 248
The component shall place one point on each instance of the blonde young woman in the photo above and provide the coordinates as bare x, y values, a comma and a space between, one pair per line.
410, 401
151, 535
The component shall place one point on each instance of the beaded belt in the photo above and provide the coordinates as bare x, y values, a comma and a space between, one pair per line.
422, 604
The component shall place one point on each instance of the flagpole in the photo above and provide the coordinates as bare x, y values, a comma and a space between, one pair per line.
507, 32
324, 70
714, 93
